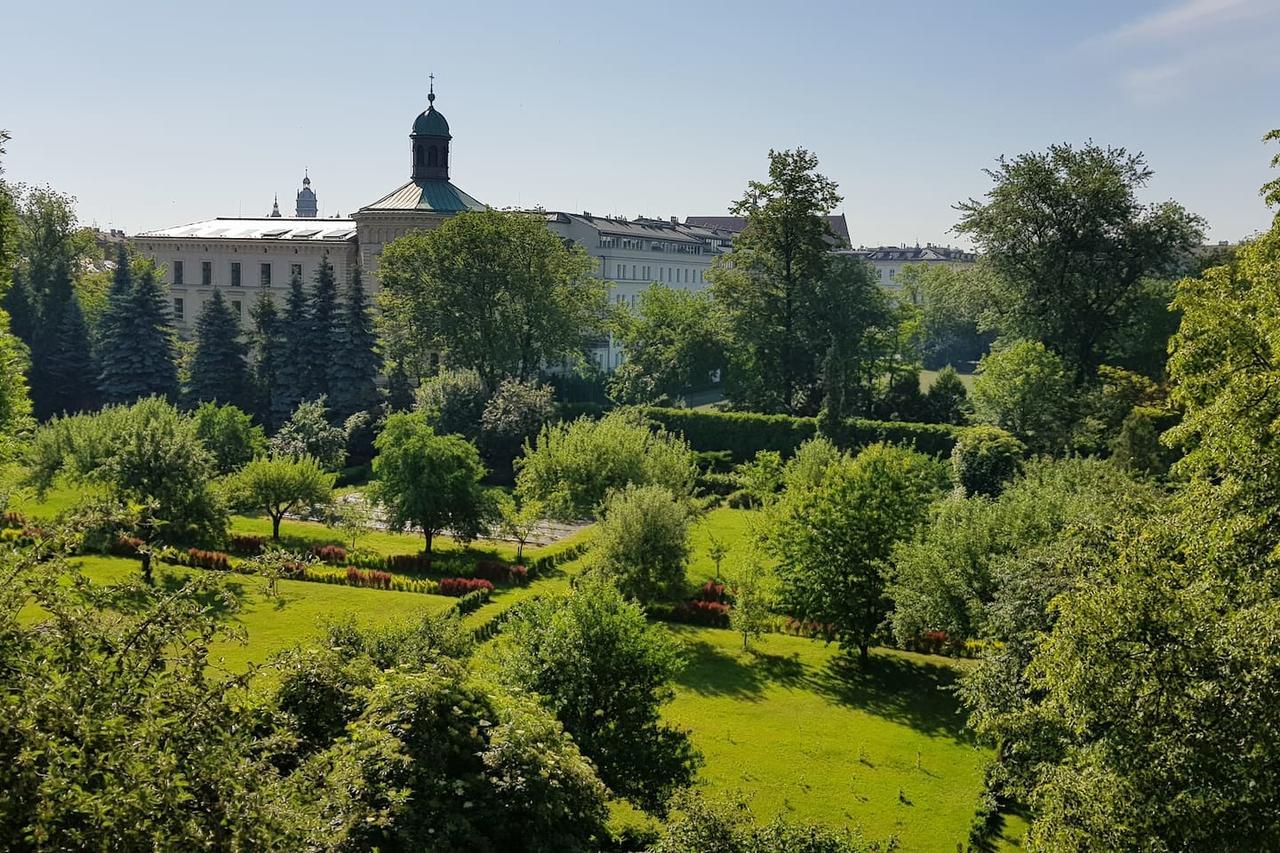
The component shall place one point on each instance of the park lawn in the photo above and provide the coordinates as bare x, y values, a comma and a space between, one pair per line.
800, 730
297, 614
928, 377
732, 527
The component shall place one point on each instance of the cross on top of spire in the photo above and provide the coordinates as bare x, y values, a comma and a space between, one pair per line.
431, 89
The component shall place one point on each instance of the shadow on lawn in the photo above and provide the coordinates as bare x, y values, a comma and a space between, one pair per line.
223, 601
913, 693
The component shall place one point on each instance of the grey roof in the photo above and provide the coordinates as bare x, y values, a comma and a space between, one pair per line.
737, 224
427, 195
917, 253
266, 228
642, 229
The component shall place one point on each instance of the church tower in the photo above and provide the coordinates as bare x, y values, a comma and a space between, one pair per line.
306, 207
275, 208
430, 143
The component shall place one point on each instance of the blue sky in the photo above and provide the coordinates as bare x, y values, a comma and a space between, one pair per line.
156, 114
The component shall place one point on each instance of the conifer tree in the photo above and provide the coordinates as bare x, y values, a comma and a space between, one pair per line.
219, 370
268, 347
323, 315
70, 370
116, 330
354, 363
138, 351
292, 372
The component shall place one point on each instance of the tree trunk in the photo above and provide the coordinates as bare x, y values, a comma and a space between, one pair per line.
863, 654
427, 533
275, 526
146, 568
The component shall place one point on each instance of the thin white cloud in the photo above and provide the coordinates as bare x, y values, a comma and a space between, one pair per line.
1191, 16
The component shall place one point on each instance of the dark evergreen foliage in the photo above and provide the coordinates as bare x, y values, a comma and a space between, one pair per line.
138, 348
219, 369
269, 351
70, 369
292, 371
322, 314
354, 362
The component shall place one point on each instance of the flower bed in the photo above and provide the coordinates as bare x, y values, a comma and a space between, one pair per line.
249, 546
458, 587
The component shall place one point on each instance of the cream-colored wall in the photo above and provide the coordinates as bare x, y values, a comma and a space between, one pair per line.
250, 254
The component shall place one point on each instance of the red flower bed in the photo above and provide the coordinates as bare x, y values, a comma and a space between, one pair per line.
373, 579
125, 546
812, 630
712, 614
13, 519
215, 560
711, 591
519, 574
248, 545
930, 642
332, 554
458, 587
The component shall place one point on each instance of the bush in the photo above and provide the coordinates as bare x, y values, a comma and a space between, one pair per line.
472, 601
125, 546
711, 614
334, 555
493, 571
642, 543
13, 519
458, 587
984, 459
247, 546
214, 560
744, 434
372, 579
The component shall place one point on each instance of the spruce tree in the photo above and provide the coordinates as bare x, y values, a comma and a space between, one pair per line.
154, 349
219, 369
354, 365
268, 346
116, 332
70, 370
293, 370
323, 315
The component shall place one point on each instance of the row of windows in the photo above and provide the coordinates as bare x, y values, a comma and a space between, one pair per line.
206, 273
644, 272
179, 308
609, 242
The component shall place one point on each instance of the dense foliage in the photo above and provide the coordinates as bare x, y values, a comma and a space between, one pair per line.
642, 542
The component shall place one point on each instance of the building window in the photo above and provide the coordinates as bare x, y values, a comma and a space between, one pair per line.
177, 272
633, 270
265, 274
177, 308
235, 274
295, 270
206, 273
892, 272
235, 303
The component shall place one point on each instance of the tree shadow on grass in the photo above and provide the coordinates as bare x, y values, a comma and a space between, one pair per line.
713, 671
223, 601
914, 693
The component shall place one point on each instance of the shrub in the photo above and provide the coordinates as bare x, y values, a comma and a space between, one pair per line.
13, 519
402, 562
472, 601
1137, 448
248, 546
458, 587
372, 579
643, 542
808, 629
214, 560
125, 546
334, 555
493, 571
984, 459
712, 614
711, 591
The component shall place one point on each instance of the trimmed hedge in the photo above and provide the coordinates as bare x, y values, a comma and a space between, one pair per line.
744, 434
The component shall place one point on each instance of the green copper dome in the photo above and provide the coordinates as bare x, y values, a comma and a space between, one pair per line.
431, 123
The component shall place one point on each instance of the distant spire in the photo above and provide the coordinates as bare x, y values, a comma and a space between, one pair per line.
306, 177
275, 207
431, 89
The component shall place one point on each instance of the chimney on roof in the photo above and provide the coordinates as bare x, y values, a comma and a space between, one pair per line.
586, 213
675, 220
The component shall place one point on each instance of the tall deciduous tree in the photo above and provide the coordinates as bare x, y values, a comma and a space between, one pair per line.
1070, 244
1024, 388
354, 362
833, 541
492, 291
769, 286
674, 342
219, 369
430, 481
642, 543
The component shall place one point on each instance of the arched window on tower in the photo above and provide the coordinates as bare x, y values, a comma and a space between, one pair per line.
444, 156
417, 155
432, 156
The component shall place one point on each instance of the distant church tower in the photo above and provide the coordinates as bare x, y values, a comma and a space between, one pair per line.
430, 143
275, 208
306, 206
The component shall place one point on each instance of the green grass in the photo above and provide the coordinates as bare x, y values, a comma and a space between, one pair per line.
733, 528
928, 377
297, 613
802, 731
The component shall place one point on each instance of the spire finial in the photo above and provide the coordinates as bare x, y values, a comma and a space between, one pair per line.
431, 92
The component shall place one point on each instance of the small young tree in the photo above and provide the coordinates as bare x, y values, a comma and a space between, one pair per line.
642, 543
753, 599
833, 541
353, 516
810, 464
519, 519
984, 459
761, 478
1024, 388
717, 550
947, 400
280, 485
429, 481
605, 672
